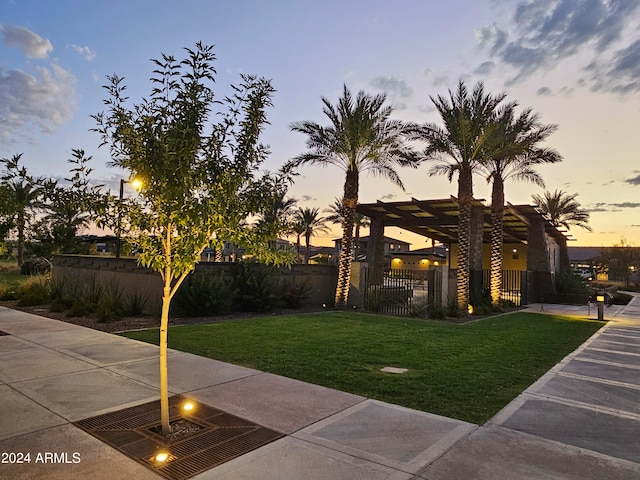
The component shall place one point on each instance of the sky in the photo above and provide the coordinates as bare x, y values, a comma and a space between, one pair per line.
576, 63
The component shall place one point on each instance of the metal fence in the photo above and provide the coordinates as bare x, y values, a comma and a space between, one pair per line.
514, 285
403, 292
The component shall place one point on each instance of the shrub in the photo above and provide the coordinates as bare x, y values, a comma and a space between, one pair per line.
35, 266
134, 303
33, 291
572, 283
110, 306
292, 295
7, 292
255, 288
202, 294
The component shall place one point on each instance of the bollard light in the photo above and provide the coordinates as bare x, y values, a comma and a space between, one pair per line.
599, 298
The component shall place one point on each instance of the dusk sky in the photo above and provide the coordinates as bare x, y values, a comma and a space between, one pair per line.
575, 62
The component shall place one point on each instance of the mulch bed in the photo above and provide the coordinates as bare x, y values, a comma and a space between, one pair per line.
138, 323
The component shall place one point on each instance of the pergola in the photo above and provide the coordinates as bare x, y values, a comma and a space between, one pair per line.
438, 219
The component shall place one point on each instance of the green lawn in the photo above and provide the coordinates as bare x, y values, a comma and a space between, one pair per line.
465, 371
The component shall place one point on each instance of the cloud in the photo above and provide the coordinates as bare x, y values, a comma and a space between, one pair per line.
308, 198
543, 33
544, 91
626, 205
440, 80
86, 52
393, 85
388, 196
485, 68
45, 101
31, 44
634, 180
396, 89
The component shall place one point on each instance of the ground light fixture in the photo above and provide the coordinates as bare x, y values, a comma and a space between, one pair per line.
161, 458
470, 309
188, 406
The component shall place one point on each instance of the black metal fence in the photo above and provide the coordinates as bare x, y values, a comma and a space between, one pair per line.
514, 286
403, 292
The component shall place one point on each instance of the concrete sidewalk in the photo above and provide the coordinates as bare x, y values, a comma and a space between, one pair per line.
580, 421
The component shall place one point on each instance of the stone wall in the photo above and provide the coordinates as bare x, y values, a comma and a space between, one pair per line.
130, 277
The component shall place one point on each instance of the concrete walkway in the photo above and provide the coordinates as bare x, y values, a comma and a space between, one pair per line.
580, 421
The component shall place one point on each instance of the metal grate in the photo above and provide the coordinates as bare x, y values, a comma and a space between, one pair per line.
222, 437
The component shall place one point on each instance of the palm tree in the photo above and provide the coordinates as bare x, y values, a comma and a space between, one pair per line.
514, 155
562, 210
279, 215
25, 194
312, 223
458, 148
298, 228
336, 216
360, 138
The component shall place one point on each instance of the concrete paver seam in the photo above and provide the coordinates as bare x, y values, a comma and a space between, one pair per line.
604, 381
606, 362
586, 406
619, 352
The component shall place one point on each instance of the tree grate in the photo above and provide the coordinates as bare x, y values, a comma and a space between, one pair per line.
222, 437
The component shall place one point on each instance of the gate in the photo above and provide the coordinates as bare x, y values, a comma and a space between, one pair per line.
514, 286
403, 292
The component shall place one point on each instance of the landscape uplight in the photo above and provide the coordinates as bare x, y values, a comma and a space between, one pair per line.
188, 406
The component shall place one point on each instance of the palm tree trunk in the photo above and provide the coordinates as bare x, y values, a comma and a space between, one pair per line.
349, 202
356, 244
497, 239
298, 249
465, 194
307, 238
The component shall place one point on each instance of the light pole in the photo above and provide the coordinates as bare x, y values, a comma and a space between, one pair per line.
136, 184
119, 222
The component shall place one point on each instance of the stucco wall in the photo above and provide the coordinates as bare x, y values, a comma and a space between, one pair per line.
130, 277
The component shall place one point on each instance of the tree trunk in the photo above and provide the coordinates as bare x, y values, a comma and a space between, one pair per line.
349, 202
21, 227
298, 249
465, 194
164, 378
497, 239
307, 238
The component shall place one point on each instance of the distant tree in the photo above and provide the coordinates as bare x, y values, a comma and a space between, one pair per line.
513, 154
361, 137
458, 148
312, 224
69, 208
336, 215
198, 169
298, 228
620, 262
562, 209
24, 195
278, 217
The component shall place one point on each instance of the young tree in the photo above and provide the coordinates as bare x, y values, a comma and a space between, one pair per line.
199, 177
24, 198
361, 137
